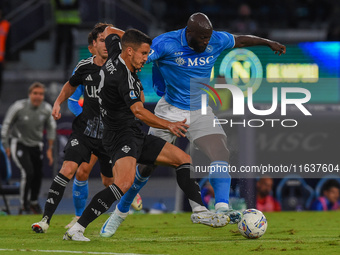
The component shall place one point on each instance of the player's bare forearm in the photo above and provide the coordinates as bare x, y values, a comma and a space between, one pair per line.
178, 128
64, 94
113, 30
251, 40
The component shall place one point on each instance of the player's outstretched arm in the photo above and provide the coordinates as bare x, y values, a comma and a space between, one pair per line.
65, 93
251, 40
178, 128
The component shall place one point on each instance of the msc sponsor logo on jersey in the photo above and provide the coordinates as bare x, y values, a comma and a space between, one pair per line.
243, 68
180, 61
194, 61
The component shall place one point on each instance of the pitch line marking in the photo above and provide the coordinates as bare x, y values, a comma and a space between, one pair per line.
76, 252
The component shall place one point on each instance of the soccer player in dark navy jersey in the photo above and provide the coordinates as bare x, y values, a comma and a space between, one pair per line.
87, 128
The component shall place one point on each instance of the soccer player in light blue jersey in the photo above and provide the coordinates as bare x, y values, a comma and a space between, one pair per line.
181, 56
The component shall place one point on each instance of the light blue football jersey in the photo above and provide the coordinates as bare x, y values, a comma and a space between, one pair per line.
179, 64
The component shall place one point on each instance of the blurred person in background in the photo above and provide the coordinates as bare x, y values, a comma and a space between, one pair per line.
4, 31
67, 17
265, 202
24, 123
244, 23
330, 197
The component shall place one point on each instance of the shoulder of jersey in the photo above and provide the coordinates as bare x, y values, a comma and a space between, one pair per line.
21, 103
84, 62
172, 35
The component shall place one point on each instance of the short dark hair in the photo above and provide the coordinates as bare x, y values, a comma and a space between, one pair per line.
98, 28
134, 38
90, 39
34, 85
331, 183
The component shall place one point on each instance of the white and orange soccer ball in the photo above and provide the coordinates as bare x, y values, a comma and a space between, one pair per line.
253, 224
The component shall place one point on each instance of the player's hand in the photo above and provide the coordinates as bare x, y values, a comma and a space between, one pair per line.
56, 111
278, 48
49, 154
178, 128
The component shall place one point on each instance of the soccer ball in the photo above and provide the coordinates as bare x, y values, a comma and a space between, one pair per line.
253, 224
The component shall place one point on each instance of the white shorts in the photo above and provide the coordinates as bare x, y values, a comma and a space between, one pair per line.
200, 125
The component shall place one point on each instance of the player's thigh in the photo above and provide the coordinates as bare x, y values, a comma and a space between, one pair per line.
172, 155
163, 133
78, 149
171, 113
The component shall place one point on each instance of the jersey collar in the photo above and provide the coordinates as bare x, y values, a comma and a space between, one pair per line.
123, 62
184, 41
92, 58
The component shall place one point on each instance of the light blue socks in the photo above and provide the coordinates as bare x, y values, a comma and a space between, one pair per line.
220, 180
126, 201
80, 193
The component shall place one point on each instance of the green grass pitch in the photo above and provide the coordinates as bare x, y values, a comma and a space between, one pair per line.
287, 233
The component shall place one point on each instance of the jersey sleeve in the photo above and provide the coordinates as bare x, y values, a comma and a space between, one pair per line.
226, 39
113, 45
72, 102
158, 82
9, 119
130, 91
76, 78
158, 49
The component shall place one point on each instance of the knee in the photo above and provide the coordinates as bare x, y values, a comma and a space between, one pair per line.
184, 159
125, 185
68, 170
107, 181
82, 175
146, 170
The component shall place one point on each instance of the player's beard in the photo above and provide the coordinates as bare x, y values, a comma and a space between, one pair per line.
198, 48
